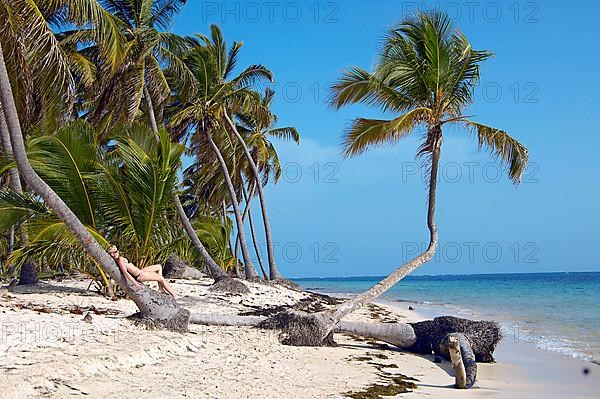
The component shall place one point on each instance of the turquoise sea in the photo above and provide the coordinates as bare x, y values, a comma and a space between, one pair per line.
555, 311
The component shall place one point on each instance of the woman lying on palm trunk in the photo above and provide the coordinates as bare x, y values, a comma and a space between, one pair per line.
137, 275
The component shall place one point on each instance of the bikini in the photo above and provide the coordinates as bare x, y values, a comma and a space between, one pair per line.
138, 276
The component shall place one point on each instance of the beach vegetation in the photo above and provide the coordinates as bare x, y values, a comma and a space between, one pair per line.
94, 95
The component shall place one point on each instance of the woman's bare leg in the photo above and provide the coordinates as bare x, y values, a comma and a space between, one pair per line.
167, 287
158, 270
154, 269
162, 283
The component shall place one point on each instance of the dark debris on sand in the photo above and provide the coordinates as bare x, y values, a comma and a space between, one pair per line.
228, 285
314, 303
390, 385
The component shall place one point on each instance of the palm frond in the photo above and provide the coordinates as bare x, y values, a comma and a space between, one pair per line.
285, 133
252, 75
508, 150
66, 161
15, 209
366, 133
232, 58
163, 12
359, 86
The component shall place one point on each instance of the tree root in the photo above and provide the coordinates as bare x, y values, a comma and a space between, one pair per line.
458, 349
179, 323
301, 328
483, 336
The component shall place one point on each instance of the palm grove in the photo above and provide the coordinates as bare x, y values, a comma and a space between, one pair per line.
99, 103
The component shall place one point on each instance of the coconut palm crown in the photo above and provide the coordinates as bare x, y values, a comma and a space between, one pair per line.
426, 74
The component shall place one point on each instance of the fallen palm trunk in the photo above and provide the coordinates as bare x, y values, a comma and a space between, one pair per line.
423, 337
458, 349
456, 344
398, 334
226, 320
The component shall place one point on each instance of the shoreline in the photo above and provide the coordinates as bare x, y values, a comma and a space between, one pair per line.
521, 367
521, 333
517, 336
49, 350
524, 369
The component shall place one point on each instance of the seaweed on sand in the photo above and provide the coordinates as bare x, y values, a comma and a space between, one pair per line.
391, 385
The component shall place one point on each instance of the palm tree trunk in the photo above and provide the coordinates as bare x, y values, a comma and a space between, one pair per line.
273, 270
224, 210
238, 272
215, 271
14, 182
401, 335
10, 270
249, 269
11, 239
236, 246
150, 303
248, 212
151, 115
28, 273
244, 217
13, 173
381, 287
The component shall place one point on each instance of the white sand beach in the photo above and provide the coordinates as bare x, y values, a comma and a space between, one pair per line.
49, 350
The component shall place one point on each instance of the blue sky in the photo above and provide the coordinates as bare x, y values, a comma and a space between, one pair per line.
366, 216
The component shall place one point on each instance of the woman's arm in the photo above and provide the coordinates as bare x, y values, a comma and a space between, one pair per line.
123, 267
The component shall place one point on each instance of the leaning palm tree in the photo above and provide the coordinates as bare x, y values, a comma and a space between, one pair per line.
205, 182
14, 182
205, 111
254, 130
150, 303
43, 70
427, 72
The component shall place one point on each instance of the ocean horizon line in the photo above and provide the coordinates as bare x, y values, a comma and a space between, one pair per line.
380, 277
